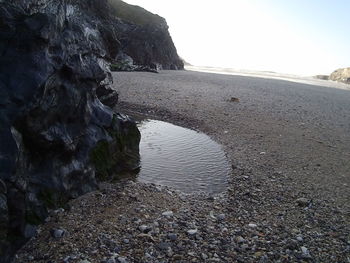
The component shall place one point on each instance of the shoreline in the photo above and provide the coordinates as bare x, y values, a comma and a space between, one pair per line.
311, 80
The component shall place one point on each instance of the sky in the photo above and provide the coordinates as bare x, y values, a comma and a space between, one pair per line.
303, 37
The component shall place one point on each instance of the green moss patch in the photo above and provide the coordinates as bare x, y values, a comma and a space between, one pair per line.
102, 159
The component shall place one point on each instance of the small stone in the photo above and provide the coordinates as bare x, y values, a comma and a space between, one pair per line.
221, 217
177, 257
204, 256
245, 246
111, 260
163, 246
122, 260
240, 240
58, 233
252, 225
126, 241
302, 201
258, 254
300, 238
305, 252
172, 236
146, 236
168, 213
234, 99
137, 221
156, 230
144, 228
169, 252
192, 232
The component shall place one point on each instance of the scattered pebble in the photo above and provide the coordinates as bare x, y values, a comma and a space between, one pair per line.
302, 201
224, 235
168, 213
144, 228
192, 232
122, 260
221, 217
58, 233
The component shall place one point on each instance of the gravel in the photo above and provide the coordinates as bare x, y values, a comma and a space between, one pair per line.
280, 206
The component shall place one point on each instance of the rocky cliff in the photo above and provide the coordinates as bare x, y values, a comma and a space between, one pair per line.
144, 38
341, 75
58, 138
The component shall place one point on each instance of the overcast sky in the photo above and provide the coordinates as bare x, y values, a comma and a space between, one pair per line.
305, 37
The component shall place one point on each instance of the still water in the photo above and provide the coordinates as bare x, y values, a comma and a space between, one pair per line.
181, 158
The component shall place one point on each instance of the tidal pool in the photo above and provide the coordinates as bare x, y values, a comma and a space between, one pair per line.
181, 158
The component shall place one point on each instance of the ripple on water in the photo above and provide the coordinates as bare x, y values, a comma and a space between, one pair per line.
181, 158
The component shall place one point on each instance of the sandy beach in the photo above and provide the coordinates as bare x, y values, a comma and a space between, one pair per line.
297, 129
288, 199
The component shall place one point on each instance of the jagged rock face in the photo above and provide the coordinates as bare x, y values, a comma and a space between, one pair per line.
145, 40
150, 46
341, 75
56, 137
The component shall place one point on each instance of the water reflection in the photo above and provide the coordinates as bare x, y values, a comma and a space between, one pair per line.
181, 158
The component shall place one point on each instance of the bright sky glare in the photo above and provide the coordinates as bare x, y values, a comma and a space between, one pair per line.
305, 37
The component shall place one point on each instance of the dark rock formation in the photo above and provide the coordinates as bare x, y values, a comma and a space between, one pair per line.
56, 137
341, 75
145, 40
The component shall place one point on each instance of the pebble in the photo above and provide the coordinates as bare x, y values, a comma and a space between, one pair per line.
240, 239
302, 201
172, 236
169, 252
58, 233
144, 228
221, 217
163, 246
122, 260
192, 235
168, 213
305, 252
192, 232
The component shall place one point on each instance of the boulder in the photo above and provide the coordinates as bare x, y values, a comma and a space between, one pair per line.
57, 139
341, 75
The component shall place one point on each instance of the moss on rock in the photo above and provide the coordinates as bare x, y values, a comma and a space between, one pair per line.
102, 159
119, 154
